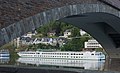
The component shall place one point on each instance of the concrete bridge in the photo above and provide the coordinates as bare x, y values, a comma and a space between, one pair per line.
100, 18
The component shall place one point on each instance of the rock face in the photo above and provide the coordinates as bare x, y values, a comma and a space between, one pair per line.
12, 11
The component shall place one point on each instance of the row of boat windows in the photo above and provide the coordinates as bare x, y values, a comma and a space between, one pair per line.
60, 63
93, 46
63, 53
56, 56
54, 53
60, 53
4, 53
51, 60
93, 43
57, 53
27, 53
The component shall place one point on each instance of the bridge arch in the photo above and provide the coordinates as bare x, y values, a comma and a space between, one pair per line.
70, 14
106, 33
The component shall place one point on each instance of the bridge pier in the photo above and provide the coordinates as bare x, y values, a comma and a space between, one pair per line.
112, 64
113, 53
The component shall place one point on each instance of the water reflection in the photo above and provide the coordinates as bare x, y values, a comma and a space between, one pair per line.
86, 64
4, 60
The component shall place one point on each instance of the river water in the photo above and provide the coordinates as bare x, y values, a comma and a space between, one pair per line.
102, 65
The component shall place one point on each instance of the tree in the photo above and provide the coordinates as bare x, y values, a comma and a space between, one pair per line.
75, 32
83, 39
43, 30
73, 45
58, 28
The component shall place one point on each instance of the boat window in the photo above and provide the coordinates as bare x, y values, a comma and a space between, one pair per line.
38, 53
62, 53
76, 54
96, 54
92, 54
80, 54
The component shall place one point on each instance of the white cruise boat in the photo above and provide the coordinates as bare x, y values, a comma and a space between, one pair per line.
4, 54
83, 55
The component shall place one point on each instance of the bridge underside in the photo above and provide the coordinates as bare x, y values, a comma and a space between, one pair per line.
103, 27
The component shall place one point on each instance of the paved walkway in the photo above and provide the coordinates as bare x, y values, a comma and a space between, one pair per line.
14, 69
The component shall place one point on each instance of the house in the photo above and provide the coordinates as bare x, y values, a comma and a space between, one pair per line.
51, 41
82, 32
51, 33
61, 41
37, 40
30, 34
67, 33
26, 40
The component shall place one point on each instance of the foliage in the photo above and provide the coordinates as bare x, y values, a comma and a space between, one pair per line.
83, 39
76, 44
73, 45
40, 46
99, 49
43, 30
75, 32
59, 28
